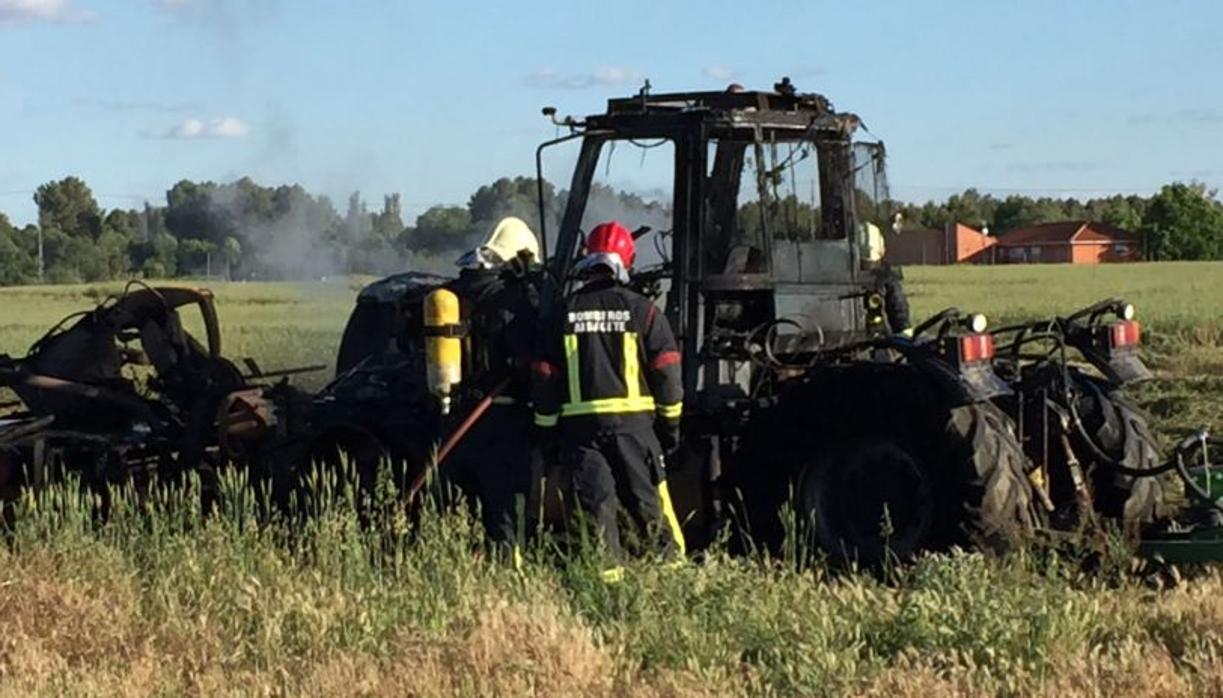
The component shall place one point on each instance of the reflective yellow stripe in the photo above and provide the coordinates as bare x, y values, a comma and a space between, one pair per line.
546, 420
668, 513
611, 405
672, 411
632, 374
504, 400
571, 365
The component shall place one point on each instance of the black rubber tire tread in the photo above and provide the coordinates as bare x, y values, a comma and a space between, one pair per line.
818, 487
995, 490
1123, 431
977, 465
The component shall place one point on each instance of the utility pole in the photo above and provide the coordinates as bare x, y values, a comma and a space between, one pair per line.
42, 266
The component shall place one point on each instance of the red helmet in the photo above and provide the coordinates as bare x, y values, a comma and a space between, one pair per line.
613, 245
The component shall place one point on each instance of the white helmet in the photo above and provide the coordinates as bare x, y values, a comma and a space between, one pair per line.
874, 246
507, 239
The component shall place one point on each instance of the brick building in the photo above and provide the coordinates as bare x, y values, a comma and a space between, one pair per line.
1069, 242
956, 244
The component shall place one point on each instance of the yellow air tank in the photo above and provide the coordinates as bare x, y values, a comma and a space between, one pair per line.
443, 348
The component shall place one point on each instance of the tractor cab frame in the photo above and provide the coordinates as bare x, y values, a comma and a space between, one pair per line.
770, 276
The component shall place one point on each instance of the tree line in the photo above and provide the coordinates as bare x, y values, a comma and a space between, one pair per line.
242, 230
1181, 221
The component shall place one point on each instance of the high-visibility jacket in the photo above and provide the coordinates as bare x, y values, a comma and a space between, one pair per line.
607, 362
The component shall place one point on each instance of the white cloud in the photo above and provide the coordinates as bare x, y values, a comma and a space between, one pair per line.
222, 127
19, 11
718, 72
605, 76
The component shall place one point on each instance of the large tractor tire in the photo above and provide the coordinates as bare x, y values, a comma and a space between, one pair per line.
874, 463
900, 494
1120, 429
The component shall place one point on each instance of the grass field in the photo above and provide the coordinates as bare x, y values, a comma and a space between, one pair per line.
154, 602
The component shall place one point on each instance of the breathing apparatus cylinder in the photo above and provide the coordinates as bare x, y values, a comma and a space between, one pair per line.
443, 344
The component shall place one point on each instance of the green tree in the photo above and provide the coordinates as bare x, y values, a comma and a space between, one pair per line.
388, 224
443, 228
1184, 221
17, 266
519, 197
195, 256
69, 206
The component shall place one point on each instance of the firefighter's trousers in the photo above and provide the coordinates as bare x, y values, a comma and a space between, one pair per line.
492, 467
610, 469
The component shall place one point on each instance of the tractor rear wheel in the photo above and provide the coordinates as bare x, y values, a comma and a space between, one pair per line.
1122, 431
995, 496
868, 499
900, 494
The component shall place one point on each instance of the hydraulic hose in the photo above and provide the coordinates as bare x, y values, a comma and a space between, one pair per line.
1108, 460
455, 437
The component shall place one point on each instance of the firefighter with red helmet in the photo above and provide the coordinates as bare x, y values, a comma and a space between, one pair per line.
607, 390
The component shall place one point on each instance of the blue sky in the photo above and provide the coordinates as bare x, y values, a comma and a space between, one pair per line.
432, 100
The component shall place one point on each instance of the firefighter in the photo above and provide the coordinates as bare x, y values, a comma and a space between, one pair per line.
607, 389
888, 279
498, 286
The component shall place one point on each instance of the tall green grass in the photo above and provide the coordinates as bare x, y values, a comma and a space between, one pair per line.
158, 599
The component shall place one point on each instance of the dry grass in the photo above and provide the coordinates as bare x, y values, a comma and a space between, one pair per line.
67, 633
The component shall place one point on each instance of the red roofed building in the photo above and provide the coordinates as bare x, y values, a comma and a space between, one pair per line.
1072, 242
956, 244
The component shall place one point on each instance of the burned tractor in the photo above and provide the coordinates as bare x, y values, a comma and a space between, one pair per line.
123, 394
797, 393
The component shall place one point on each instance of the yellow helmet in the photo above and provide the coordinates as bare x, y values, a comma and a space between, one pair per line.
509, 237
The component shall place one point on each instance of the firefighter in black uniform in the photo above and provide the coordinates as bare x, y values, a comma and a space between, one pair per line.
499, 287
607, 388
888, 279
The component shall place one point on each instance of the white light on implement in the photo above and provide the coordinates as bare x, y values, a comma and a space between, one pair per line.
1127, 311
978, 323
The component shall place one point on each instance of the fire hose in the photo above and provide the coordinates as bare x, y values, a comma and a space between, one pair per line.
455, 437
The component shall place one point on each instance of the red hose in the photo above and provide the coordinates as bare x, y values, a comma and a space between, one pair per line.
457, 435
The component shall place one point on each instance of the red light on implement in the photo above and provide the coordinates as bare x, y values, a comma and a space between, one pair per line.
976, 347
1125, 334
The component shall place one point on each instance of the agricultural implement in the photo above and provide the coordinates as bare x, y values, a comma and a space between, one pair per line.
1094, 454
123, 392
